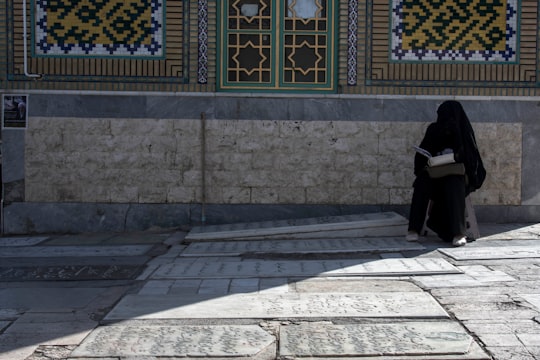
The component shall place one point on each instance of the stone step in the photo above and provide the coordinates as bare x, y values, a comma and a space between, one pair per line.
361, 225
21, 240
300, 246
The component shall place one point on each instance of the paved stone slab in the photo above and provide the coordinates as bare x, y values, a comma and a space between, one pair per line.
77, 251
209, 268
21, 241
489, 253
3, 325
59, 328
81, 239
433, 339
380, 223
75, 260
353, 285
289, 305
510, 231
533, 299
230, 341
9, 314
70, 272
300, 246
50, 352
48, 298
494, 311
109, 239
14, 347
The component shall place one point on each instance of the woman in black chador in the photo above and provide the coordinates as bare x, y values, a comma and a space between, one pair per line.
451, 132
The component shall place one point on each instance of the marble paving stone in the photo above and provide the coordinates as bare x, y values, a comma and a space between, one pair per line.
364, 232
300, 246
494, 311
15, 348
481, 327
500, 340
433, 339
269, 305
510, 231
124, 238
52, 328
70, 272
459, 299
533, 299
49, 352
354, 285
85, 239
208, 268
3, 325
20, 262
230, 341
9, 314
488, 253
503, 243
391, 255
274, 286
512, 353
311, 226
138, 238
485, 274
484, 290
48, 298
76, 251
529, 339
448, 281
21, 241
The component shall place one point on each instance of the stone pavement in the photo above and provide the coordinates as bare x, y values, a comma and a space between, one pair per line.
175, 295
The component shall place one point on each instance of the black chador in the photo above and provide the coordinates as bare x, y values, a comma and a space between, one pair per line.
451, 132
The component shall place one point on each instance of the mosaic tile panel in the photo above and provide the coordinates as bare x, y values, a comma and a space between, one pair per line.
352, 49
202, 71
99, 28
454, 30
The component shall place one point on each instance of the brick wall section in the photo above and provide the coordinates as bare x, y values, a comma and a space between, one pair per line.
247, 162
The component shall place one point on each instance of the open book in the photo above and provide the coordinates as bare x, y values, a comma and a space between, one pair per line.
436, 160
421, 151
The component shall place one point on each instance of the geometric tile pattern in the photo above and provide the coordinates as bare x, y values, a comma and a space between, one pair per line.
454, 30
202, 70
352, 39
99, 28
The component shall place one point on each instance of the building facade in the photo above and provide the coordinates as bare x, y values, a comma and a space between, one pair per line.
156, 114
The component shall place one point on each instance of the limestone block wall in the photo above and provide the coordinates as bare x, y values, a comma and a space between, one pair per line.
150, 160
124, 162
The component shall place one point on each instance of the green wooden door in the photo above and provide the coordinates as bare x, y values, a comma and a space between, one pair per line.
280, 45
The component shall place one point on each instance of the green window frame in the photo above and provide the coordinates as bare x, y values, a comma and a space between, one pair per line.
280, 45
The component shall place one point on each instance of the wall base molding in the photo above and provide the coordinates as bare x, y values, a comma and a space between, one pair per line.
43, 218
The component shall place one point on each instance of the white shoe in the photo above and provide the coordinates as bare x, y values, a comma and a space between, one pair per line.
459, 241
412, 236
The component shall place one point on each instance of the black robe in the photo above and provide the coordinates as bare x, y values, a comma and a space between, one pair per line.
452, 130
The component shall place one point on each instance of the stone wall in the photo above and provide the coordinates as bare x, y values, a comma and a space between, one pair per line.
246, 161
142, 156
